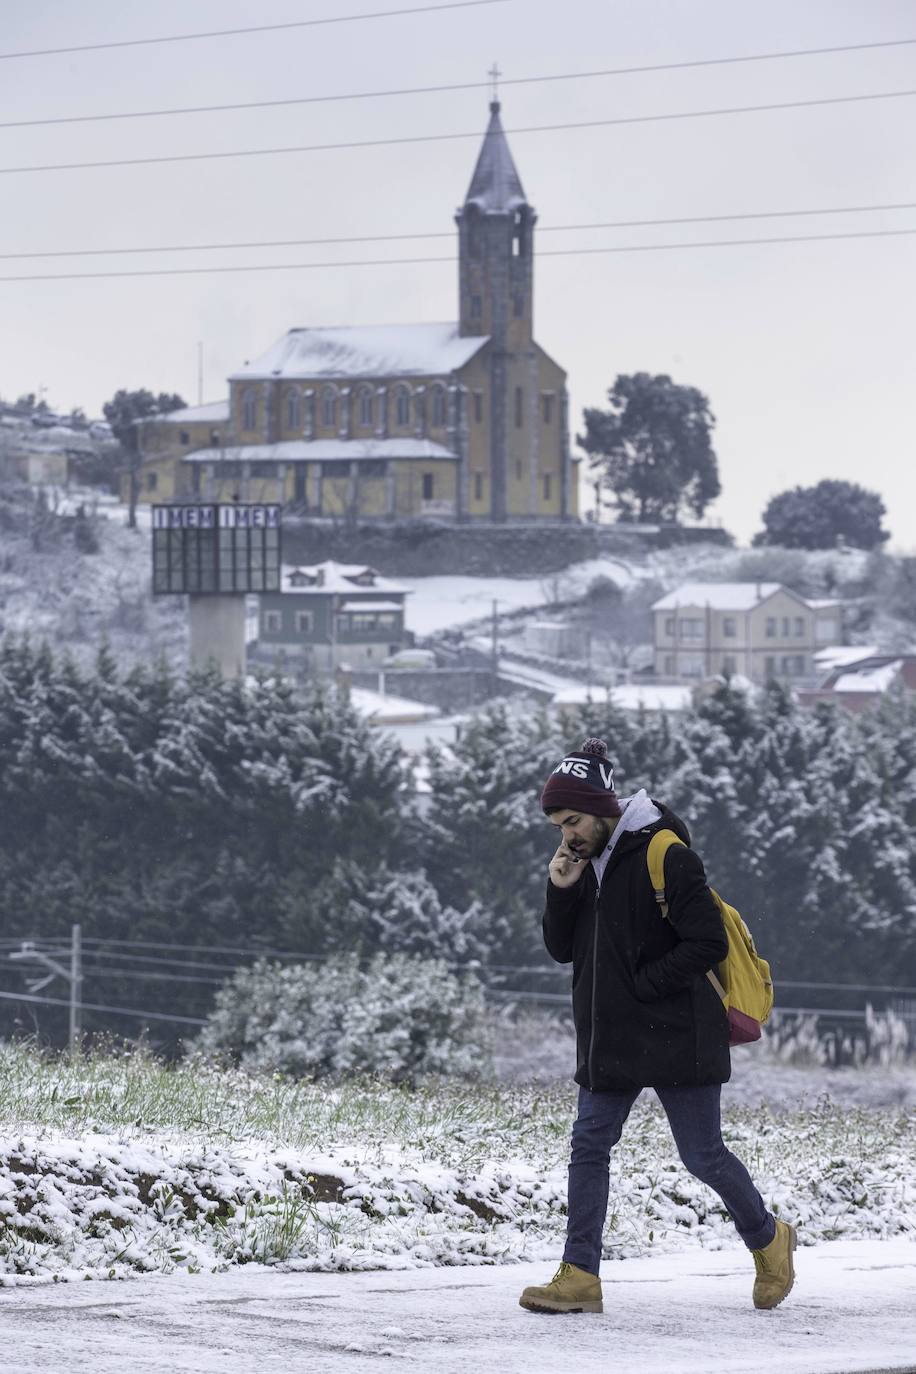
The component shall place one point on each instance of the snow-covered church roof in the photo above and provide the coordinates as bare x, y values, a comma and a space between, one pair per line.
376, 350
496, 187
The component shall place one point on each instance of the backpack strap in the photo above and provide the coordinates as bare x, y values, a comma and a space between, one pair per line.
659, 845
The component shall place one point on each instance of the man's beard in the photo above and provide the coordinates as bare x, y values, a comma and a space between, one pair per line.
603, 833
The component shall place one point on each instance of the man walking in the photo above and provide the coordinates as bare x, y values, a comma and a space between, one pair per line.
646, 1016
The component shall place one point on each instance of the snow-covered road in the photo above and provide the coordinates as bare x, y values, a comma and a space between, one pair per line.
853, 1309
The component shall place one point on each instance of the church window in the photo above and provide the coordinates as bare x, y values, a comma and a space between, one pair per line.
547, 477
329, 407
547, 404
476, 307
402, 406
365, 406
215, 439
437, 416
478, 407
184, 437
519, 407
429, 484
293, 410
518, 305
249, 408
478, 486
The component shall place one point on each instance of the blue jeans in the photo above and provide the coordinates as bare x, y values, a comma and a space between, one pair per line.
693, 1115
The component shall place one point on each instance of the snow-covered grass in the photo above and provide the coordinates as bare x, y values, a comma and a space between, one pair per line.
113, 1165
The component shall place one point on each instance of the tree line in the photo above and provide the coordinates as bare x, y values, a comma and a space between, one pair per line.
191, 810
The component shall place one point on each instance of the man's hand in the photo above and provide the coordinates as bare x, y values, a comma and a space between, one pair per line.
565, 868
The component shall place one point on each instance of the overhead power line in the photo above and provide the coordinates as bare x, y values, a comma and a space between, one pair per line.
94, 1006
251, 28
411, 262
444, 138
444, 88
450, 234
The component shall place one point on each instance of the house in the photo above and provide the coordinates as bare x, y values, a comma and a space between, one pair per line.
856, 677
458, 421
330, 615
760, 630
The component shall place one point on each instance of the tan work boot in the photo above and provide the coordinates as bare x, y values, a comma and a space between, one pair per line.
775, 1270
570, 1290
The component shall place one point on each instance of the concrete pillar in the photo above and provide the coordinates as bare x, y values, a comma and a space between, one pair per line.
216, 626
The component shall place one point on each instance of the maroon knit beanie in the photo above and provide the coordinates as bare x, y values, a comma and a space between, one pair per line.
583, 781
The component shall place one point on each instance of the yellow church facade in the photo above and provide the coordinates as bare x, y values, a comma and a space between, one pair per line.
465, 420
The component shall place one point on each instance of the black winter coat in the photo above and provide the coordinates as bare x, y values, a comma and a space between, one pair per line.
646, 1014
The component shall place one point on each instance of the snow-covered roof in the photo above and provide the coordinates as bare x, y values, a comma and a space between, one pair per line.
323, 451
843, 655
869, 679
719, 596
368, 350
379, 708
211, 413
496, 186
631, 696
338, 577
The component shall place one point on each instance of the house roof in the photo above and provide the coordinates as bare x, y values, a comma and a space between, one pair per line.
720, 596
211, 413
877, 679
323, 451
337, 578
377, 350
496, 187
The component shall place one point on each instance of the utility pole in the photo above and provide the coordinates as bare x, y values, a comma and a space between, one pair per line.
74, 976
76, 988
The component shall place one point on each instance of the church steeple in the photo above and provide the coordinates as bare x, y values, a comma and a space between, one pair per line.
495, 243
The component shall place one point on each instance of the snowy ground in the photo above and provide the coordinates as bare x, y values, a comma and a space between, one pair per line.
851, 1311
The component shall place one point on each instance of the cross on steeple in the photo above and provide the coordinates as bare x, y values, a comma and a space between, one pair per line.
494, 74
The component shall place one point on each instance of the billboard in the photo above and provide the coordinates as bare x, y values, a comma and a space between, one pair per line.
223, 549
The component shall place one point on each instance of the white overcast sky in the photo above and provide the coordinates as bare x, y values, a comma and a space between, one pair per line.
805, 350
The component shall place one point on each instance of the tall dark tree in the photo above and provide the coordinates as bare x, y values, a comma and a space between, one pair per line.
121, 412
653, 448
822, 516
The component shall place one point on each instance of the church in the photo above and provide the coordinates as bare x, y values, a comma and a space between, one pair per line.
460, 422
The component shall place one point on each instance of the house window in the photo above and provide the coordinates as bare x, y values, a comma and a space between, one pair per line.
668, 665
402, 406
771, 630
691, 628
215, 438
249, 408
669, 625
729, 665
273, 622
547, 477
437, 409
799, 627
691, 665
329, 407
547, 407
730, 628
476, 307
293, 410
785, 627
305, 622
152, 481
184, 437
478, 407
429, 479
769, 668
195, 480
365, 407
519, 403
478, 486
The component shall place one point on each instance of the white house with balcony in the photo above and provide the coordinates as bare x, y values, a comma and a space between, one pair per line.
760, 630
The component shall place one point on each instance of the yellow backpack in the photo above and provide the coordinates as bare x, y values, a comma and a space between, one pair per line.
743, 979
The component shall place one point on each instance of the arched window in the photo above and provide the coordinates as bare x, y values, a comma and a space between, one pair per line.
402, 406
365, 406
249, 408
293, 410
437, 407
329, 407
